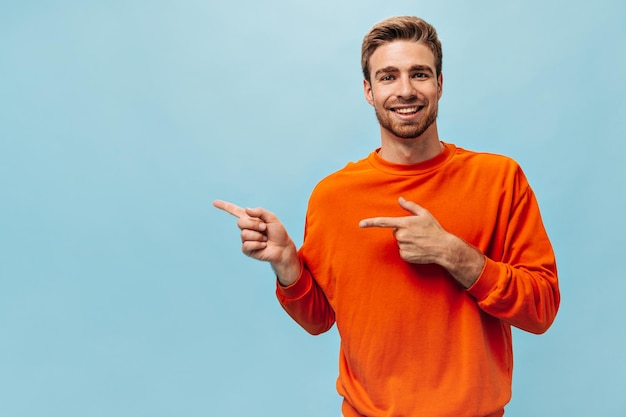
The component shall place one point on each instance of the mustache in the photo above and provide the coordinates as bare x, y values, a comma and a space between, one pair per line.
407, 101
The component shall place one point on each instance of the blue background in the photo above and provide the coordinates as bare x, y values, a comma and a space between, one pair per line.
123, 292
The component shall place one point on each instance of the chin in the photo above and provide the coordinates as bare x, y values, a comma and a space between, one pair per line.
409, 135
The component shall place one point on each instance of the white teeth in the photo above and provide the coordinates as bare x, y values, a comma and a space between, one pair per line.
407, 110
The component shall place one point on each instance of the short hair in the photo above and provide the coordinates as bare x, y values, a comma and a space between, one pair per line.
408, 28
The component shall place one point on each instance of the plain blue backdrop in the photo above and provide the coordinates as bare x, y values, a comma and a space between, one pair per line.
123, 292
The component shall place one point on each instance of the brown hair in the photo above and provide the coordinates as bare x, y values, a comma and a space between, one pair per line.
408, 28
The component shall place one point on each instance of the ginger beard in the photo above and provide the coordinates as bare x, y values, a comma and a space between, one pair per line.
407, 129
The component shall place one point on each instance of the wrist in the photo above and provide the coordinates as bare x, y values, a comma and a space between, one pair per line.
289, 268
463, 261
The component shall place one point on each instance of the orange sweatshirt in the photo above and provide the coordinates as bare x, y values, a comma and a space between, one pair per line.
413, 341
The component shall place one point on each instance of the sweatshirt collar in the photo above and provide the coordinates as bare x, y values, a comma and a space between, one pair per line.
412, 169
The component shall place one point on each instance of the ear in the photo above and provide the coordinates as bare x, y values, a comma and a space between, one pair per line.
367, 89
439, 85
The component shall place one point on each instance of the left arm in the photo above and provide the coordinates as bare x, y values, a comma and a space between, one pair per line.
521, 289
422, 240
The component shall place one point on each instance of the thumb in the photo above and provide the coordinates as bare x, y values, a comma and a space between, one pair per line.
412, 207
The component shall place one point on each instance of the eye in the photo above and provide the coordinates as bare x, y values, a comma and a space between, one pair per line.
420, 75
386, 78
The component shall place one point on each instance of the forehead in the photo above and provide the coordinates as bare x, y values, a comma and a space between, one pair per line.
401, 54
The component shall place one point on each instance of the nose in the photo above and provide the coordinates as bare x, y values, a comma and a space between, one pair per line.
406, 90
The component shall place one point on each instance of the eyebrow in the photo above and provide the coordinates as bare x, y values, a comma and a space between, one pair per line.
390, 70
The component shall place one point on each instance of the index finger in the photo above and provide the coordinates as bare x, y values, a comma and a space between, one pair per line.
384, 222
229, 208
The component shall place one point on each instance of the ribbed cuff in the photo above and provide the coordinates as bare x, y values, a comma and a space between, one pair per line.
487, 281
298, 288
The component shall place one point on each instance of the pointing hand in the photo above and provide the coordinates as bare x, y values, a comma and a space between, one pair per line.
420, 236
263, 237
422, 240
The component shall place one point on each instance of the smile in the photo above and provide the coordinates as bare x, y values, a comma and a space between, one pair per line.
408, 110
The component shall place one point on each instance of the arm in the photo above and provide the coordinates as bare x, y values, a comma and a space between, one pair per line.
265, 238
306, 303
422, 240
520, 289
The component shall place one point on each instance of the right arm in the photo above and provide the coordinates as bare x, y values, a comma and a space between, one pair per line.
265, 238
306, 303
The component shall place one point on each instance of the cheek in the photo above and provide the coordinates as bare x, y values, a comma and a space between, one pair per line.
379, 98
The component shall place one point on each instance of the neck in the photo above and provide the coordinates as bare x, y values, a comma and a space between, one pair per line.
410, 151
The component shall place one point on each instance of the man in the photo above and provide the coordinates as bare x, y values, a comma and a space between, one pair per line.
423, 253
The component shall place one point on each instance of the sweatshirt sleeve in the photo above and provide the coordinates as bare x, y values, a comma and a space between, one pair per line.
306, 303
521, 288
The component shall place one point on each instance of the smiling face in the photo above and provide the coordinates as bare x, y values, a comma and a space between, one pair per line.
404, 90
